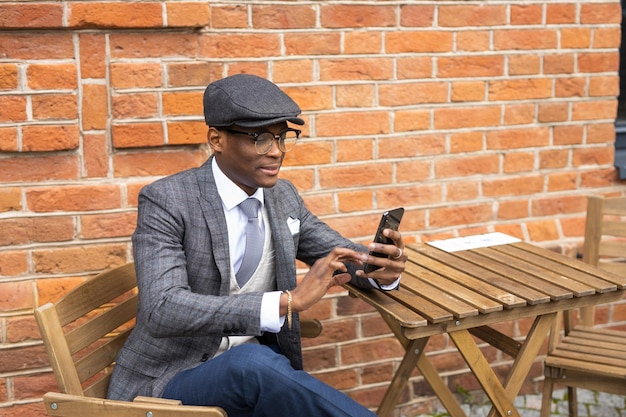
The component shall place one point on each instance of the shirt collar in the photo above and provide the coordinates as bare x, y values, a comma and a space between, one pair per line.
229, 192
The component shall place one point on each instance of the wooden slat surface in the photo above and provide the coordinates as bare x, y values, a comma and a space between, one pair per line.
512, 291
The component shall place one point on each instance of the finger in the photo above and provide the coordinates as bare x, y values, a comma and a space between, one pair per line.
340, 279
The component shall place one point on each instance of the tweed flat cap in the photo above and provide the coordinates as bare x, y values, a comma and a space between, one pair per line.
248, 101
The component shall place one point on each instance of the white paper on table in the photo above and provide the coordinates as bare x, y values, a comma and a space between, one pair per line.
473, 242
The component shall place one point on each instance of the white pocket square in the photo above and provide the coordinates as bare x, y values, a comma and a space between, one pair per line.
294, 226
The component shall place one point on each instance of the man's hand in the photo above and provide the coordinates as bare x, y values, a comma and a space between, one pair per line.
324, 274
391, 266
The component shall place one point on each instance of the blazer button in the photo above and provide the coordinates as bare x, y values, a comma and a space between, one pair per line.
205, 357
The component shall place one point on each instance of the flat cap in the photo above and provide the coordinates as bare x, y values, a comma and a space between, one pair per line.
248, 101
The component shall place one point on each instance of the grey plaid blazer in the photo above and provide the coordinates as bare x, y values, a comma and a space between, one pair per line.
183, 270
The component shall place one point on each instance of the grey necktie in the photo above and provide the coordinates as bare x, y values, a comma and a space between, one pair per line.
254, 241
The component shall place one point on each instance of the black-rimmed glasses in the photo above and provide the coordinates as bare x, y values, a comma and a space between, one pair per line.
263, 141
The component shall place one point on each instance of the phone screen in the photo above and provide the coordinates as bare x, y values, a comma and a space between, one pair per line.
389, 220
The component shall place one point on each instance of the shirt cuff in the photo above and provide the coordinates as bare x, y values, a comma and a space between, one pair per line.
271, 320
389, 287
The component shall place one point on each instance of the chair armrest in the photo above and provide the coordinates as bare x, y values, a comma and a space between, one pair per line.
66, 405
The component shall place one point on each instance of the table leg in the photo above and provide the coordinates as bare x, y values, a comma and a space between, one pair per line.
482, 370
525, 359
415, 356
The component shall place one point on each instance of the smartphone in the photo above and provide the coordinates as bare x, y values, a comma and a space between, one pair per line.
389, 220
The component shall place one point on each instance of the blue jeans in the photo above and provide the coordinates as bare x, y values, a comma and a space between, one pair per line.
254, 380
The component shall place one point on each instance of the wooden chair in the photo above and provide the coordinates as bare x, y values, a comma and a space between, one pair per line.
589, 357
83, 332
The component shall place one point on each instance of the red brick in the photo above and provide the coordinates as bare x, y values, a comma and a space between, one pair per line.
134, 105
8, 139
553, 158
462, 191
562, 181
137, 135
410, 146
520, 89
54, 106
592, 110
50, 138
598, 62
467, 165
73, 198
602, 13
188, 14
466, 142
13, 263
292, 16
369, 42
22, 329
407, 120
352, 123
39, 168
25, 230
310, 153
33, 386
156, 163
470, 66
355, 95
568, 134
560, 13
364, 351
604, 86
518, 138
352, 201
293, 71
414, 67
524, 64
401, 94
92, 55
183, 74
544, 230
115, 15
406, 42
16, 295
19, 16
558, 64
526, 39
135, 75
36, 46
463, 91
52, 289
186, 133
183, 103
12, 108
553, 112
606, 38
10, 199
339, 379
79, 258
356, 16
551, 206
313, 43
576, 37
8, 76
355, 175
475, 40
601, 133
417, 15
158, 45
97, 226
95, 107
518, 186
397, 196
95, 155
593, 156
570, 87
229, 16
249, 45
519, 114
311, 98
466, 117
322, 358
513, 209
52, 76
320, 204
470, 15
356, 69
354, 150
529, 14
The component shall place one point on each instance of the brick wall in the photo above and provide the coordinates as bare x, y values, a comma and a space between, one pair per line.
476, 116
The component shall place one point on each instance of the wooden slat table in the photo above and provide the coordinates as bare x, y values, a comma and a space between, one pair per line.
463, 293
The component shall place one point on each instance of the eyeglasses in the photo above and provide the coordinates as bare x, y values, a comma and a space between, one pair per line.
263, 141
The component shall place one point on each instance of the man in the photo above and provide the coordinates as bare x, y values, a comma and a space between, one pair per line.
215, 250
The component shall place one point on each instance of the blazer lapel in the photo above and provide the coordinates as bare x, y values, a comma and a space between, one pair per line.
283, 242
211, 206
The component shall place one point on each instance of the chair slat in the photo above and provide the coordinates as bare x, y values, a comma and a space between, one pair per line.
91, 331
101, 357
95, 292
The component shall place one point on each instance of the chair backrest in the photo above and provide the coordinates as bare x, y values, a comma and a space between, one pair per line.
84, 330
605, 239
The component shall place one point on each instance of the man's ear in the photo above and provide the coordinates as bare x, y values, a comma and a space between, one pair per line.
215, 138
